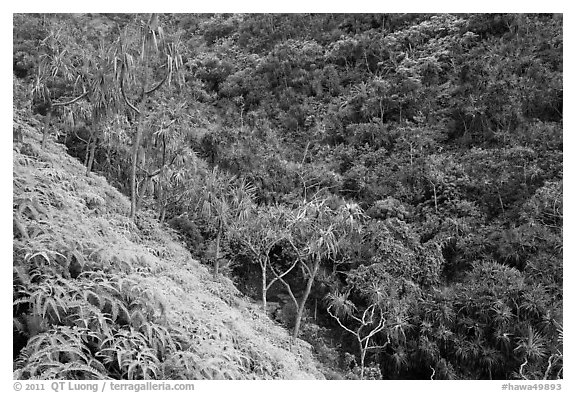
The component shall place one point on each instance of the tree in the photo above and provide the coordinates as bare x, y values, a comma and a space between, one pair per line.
226, 203
57, 75
136, 64
370, 322
70, 64
317, 232
262, 231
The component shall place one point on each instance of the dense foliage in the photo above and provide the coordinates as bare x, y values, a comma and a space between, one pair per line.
389, 182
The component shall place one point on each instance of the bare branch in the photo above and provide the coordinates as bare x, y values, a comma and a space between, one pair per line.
71, 101
158, 85
157, 171
289, 291
124, 93
305, 266
552, 360
280, 276
377, 329
305, 152
251, 247
377, 346
522, 368
79, 137
354, 317
340, 323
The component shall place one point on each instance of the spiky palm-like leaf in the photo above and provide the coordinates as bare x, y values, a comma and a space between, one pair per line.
342, 306
532, 345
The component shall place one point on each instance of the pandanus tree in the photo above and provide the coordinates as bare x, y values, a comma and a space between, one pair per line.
325, 230
165, 149
214, 206
225, 202
142, 54
374, 307
58, 75
78, 73
368, 322
105, 102
177, 185
262, 231
317, 233
107, 75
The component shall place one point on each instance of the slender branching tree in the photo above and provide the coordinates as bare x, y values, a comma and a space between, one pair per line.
141, 56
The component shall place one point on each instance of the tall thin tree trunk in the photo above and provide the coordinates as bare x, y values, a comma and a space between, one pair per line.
302, 304
87, 155
108, 160
134, 194
160, 193
144, 191
217, 258
91, 158
435, 198
46, 128
163, 215
500, 199
160, 196
146, 182
264, 290
139, 131
362, 359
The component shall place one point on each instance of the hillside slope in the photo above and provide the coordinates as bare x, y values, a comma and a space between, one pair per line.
98, 296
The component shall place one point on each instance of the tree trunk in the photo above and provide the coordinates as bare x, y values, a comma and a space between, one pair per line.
217, 257
362, 359
160, 191
264, 290
162, 201
302, 304
139, 118
143, 193
435, 198
160, 196
87, 155
91, 157
135, 148
46, 127
108, 161
500, 199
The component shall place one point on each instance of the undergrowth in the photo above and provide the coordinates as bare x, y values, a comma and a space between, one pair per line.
97, 296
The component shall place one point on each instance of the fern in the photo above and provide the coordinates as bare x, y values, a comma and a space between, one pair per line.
45, 259
30, 207
128, 352
159, 339
182, 365
35, 230
76, 370
48, 354
90, 317
48, 299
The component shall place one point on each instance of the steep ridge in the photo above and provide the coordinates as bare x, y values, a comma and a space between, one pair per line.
99, 296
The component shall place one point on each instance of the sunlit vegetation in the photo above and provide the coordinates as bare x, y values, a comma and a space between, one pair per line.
386, 188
